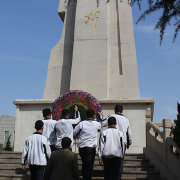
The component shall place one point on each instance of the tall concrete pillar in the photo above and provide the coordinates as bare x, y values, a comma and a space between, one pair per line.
99, 57
59, 68
104, 58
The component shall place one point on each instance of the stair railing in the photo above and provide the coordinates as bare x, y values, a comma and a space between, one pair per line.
161, 150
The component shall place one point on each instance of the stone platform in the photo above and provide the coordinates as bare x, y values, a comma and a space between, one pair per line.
138, 111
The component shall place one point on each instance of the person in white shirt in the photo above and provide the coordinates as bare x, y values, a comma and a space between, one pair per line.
122, 125
36, 153
86, 132
111, 151
64, 127
48, 130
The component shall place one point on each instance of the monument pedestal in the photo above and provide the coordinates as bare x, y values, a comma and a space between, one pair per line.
138, 111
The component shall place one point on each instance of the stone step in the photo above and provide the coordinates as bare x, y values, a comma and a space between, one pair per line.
10, 154
124, 177
130, 166
10, 161
27, 177
130, 173
97, 172
127, 158
96, 163
125, 169
14, 177
96, 167
129, 178
135, 162
127, 163
96, 158
135, 167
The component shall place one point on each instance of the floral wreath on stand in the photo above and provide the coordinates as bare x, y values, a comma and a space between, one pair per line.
82, 99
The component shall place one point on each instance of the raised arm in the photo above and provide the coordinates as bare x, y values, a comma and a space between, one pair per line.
77, 129
104, 122
77, 117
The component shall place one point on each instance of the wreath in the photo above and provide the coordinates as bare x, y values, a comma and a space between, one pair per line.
82, 99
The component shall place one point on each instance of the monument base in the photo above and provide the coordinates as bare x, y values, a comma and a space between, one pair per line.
138, 111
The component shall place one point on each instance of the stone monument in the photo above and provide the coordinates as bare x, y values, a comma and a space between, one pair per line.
97, 51
96, 54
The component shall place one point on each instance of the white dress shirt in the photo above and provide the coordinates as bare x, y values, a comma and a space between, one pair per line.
122, 125
87, 132
36, 150
48, 130
64, 128
111, 143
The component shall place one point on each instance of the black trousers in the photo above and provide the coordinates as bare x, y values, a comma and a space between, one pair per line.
112, 168
87, 155
53, 148
37, 172
121, 167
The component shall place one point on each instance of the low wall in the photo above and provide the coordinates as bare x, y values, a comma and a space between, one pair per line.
138, 111
161, 150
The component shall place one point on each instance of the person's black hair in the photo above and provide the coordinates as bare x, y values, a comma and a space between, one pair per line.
46, 112
39, 124
111, 121
119, 108
65, 112
90, 113
66, 142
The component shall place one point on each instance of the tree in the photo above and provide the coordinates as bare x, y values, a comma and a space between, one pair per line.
170, 13
8, 144
176, 129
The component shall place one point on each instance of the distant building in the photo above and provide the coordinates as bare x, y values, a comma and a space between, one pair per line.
7, 128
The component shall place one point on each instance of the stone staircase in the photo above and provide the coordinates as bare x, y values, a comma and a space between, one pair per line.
135, 167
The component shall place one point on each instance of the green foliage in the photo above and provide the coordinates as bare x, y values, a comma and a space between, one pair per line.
8, 144
170, 13
176, 130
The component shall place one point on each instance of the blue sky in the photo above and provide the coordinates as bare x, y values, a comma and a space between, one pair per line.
29, 30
